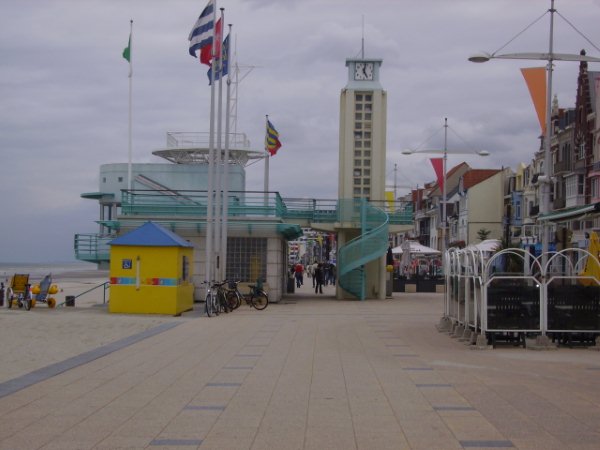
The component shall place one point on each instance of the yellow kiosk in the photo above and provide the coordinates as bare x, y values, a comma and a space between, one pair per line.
150, 272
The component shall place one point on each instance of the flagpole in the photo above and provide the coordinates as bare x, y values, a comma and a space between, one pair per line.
211, 157
130, 139
267, 157
226, 161
219, 152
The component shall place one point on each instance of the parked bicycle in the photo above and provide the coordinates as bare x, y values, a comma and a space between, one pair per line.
256, 297
216, 300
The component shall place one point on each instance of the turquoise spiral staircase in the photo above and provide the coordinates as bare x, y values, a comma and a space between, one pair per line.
370, 245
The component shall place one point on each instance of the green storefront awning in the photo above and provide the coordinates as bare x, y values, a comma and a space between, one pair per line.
571, 213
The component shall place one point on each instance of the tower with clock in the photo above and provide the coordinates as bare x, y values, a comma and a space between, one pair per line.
362, 151
363, 109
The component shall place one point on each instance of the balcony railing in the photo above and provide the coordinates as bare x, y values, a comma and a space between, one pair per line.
255, 204
562, 166
559, 203
92, 247
595, 167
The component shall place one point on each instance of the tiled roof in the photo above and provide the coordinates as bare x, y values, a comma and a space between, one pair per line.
151, 235
476, 176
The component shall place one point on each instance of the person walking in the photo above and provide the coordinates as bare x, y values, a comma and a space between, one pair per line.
319, 279
299, 272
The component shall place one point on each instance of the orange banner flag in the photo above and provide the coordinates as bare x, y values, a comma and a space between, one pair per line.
535, 77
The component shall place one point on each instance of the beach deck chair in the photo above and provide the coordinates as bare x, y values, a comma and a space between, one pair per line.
19, 284
43, 289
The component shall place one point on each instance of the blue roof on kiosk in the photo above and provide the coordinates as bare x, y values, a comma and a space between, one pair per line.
151, 235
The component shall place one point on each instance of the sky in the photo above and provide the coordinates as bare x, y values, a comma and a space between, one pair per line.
64, 92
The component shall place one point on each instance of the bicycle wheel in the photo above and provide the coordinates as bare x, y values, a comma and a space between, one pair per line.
208, 304
259, 300
222, 301
233, 300
215, 304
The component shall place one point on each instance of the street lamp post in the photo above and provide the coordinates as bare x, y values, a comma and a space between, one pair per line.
444, 152
550, 57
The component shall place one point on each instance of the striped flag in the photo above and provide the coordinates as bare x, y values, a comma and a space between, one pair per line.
272, 143
201, 36
223, 63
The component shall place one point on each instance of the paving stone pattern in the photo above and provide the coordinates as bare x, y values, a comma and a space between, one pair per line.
309, 373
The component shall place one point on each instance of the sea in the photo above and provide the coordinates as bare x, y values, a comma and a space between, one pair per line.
37, 271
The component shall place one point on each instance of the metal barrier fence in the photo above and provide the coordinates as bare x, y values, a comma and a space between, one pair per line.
511, 295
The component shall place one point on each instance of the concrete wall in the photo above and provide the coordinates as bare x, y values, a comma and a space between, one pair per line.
113, 177
486, 208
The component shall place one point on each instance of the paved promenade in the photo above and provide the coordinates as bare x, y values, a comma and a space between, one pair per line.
308, 373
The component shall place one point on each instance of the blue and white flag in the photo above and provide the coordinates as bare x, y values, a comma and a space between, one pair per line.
201, 36
223, 62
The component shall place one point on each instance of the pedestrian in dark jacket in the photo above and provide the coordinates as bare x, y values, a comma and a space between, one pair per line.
319, 279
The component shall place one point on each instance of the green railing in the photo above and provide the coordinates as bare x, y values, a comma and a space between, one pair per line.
168, 205
370, 245
253, 204
92, 247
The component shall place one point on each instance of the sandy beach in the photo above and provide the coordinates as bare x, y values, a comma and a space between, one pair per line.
42, 336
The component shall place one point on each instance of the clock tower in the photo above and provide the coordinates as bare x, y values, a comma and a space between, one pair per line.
363, 116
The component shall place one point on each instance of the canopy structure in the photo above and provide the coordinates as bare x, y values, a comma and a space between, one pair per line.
414, 247
488, 245
574, 212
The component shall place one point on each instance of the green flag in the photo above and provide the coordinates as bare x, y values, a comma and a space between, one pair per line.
127, 50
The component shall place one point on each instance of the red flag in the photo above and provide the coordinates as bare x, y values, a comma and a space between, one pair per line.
535, 77
438, 166
206, 51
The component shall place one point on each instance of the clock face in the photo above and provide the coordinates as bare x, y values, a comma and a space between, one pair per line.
363, 71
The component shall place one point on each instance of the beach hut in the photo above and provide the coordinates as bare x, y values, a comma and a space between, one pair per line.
150, 272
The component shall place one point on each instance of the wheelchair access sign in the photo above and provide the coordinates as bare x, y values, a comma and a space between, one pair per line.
126, 264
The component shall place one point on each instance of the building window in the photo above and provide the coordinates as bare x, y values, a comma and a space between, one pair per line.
104, 179
367, 172
246, 259
580, 184
595, 187
358, 116
120, 179
357, 163
357, 172
356, 191
185, 268
357, 181
359, 97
